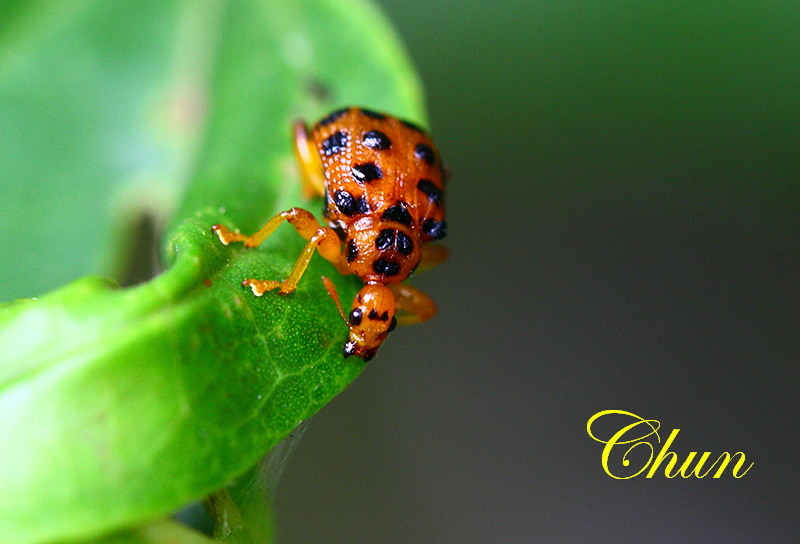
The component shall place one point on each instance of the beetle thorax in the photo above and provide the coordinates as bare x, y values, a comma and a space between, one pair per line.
381, 251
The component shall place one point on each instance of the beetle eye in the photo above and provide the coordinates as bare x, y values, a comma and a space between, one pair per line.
392, 325
355, 316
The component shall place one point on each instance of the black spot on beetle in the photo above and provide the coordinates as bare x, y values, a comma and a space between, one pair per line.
375, 316
433, 193
405, 244
436, 230
364, 173
348, 204
335, 143
333, 116
352, 251
389, 238
385, 239
424, 153
377, 140
386, 267
373, 114
355, 316
398, 213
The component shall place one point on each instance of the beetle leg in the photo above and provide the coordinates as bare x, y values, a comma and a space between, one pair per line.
334, 294
302, 220
307, 155
432, 255
413, 306
321, 239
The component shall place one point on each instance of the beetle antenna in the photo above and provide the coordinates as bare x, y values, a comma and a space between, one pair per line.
331, 288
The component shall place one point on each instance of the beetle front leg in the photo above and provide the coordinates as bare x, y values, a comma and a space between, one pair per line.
321, 239
324, 240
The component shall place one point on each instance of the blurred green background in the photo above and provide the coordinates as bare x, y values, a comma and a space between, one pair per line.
624, 226
624, 232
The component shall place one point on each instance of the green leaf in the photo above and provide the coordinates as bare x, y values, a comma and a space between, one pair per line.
88, 133
159, 532
122, 405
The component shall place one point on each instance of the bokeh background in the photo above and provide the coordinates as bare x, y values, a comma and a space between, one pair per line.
624, 221
625, 233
